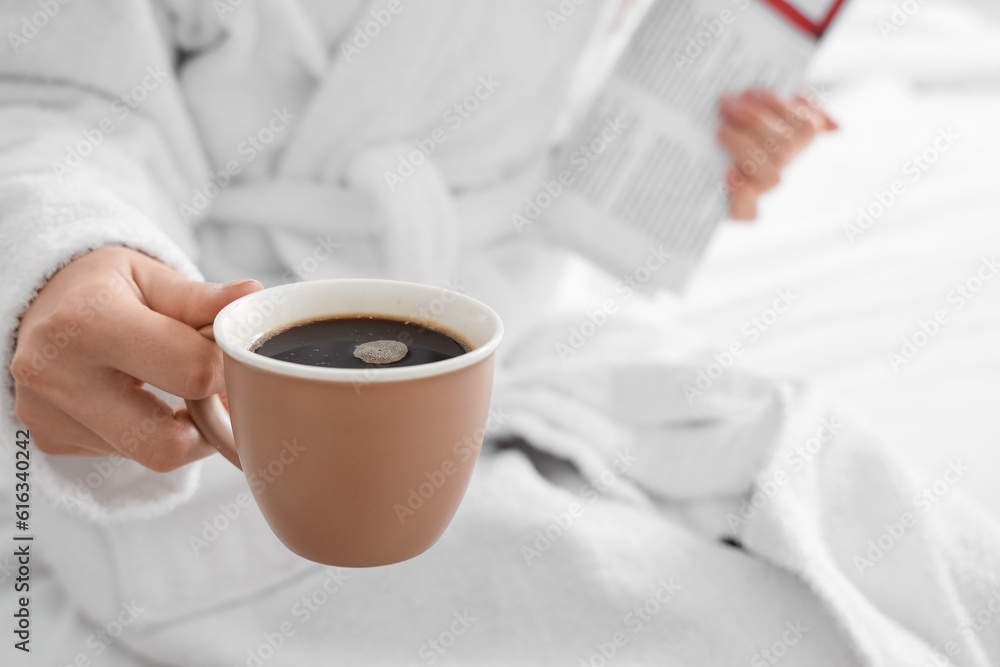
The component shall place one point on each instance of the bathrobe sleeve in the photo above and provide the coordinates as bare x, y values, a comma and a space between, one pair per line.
95, 150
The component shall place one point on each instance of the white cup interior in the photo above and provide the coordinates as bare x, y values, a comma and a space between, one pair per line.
240, 324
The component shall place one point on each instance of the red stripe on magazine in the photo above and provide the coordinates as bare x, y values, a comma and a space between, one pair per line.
799, 20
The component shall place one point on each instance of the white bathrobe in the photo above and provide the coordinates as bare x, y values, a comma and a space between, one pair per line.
253, 138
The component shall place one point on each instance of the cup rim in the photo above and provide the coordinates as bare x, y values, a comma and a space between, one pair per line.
243, 355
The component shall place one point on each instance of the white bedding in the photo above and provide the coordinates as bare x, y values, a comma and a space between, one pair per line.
857, 300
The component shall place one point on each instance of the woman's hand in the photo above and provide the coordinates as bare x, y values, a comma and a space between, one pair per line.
105, 324
762, 132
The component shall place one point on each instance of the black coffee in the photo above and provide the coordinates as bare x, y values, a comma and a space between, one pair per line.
360, 341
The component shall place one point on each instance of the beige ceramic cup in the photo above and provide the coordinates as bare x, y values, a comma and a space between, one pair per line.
351, 467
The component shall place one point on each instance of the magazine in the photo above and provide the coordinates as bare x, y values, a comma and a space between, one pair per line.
642, 175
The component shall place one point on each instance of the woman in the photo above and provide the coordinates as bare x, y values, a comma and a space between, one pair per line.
601, 520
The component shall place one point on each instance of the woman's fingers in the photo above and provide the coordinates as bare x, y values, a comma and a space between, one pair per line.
763, 132
93, 410
766, 127
161, 351
751, 164
805, 118
136, 423
53, 431
743, 204
172, 294
778, 106
820, 118
105, 324
777, 134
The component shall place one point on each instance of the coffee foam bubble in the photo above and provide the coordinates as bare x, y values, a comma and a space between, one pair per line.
381, 351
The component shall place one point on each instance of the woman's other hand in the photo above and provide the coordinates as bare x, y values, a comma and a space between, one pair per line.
762, 132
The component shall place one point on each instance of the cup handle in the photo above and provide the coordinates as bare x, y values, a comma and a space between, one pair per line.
212, 420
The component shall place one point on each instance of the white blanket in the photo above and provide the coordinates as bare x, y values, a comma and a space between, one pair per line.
613, 554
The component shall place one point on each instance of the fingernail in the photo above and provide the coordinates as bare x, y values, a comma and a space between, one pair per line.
234, 283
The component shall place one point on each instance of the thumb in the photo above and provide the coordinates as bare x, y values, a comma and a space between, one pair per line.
192, 302
743, 204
